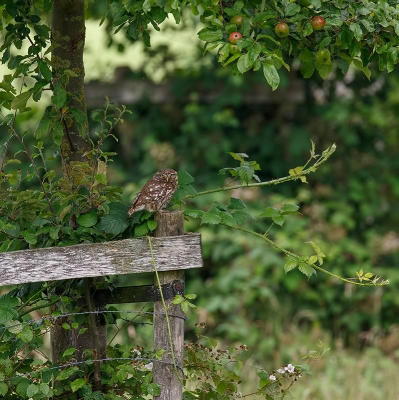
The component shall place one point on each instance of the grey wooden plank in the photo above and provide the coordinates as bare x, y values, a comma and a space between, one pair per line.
99, 259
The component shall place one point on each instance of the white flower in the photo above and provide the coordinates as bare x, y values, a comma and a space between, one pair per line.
281, 370
272, 378
290, 368
148, 366
136, 352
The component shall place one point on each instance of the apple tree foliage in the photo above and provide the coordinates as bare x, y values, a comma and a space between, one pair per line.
355, 32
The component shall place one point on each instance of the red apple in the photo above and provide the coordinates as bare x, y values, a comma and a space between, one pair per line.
318, 22
234, 36
282, 29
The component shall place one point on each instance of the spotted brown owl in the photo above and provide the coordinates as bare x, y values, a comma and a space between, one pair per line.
156, 193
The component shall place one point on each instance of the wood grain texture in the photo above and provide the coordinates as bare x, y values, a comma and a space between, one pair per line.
169, 223
98, 259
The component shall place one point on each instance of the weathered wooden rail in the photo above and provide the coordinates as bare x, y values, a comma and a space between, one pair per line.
172, 252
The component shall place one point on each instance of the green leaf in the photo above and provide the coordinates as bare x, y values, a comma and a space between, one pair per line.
26, 334
365, 70
154, 389
292, 9
59, 96
89, 219
228, 219
19, 102
324, 69
270, 212
241, 217
210, 218
357, 31
57, 132
3, 389
116, 221
193, 213
54, 232
69, 352
44, 70
221, 388
101, 178
290, 264
141, 230
289, 208
66, 373
152, 224
306, 269
245, 173
210, 34
279, 220
238, 156
29, 236
271, 75
184, 178
236, 204
77, 384
32, 389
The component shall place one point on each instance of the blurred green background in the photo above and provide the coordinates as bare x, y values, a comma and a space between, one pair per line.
187, 113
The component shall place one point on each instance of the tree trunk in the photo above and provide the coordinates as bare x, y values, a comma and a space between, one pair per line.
68, 39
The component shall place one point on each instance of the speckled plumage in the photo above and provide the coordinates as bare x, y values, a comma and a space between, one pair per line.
156, 193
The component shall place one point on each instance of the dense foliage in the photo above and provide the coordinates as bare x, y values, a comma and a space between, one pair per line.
348, 208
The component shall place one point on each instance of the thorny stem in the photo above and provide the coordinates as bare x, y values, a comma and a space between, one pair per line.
326, 154
296, 257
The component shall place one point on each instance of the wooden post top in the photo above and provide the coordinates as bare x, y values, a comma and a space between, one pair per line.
98, 259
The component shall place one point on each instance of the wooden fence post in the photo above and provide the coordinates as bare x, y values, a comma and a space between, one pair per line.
170, 223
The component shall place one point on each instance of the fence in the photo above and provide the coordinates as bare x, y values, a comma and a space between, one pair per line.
170, 250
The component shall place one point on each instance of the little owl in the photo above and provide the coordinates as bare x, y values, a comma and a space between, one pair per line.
156, 193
